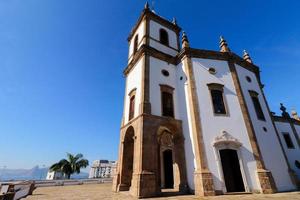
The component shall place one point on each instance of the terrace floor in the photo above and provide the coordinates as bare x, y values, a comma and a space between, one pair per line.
103, 191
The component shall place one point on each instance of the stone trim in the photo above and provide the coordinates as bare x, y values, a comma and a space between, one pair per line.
253, 93
202, 176
286, 120
132, 92
166, 88
144, 49
215, 86
190, 52
216, 55
145, 105
265, 178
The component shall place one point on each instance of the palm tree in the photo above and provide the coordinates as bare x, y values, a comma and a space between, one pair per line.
71, 165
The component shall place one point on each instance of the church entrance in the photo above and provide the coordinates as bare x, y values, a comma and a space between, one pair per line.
127, 165
168, 169
232, 171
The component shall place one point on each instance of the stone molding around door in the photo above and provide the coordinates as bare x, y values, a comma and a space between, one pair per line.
227, 141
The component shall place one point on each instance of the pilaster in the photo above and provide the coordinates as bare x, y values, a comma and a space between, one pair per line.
265, 177
202, 176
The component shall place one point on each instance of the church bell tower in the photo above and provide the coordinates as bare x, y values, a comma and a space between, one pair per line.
151, 149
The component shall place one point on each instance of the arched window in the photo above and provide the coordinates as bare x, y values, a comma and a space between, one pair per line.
131, 107
164, 37
131, 103
135, 44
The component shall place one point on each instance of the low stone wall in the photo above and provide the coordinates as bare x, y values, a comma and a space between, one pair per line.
49, 183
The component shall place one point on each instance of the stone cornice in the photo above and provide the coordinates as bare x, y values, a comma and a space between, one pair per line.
144, 49
216, 55
156, 18
286, 120
192, 53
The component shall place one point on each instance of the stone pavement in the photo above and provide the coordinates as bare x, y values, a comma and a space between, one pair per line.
103, 192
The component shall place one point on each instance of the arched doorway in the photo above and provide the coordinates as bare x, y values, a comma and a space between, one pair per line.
168, 169
127, 162
166, 160
232, 171
230, 163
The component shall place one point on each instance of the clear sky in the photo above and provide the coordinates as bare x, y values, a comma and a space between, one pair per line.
61, 63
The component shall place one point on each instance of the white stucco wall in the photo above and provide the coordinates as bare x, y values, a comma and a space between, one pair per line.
185, 116
297, 127
140, 31
134, 80
157, 78
212, 126
268, 141
292, 154
154, 33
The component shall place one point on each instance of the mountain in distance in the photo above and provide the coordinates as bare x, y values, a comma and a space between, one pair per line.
36, 173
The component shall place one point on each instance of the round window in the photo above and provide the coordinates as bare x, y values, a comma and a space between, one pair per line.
165, 72
248, 79
212, 70
265, 129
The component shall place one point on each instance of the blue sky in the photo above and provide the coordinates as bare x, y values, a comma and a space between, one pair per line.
61, 62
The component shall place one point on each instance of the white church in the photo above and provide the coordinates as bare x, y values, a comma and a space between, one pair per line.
197, 121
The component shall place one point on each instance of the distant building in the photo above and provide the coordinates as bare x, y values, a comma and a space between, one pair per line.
102, 169
52, 175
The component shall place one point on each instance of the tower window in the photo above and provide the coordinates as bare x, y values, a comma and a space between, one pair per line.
288, 140
164, 37
167, 100
135, 44
217, 97
257, 106
131, 103
131, 107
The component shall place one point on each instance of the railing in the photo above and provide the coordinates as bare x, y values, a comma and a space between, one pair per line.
49, 183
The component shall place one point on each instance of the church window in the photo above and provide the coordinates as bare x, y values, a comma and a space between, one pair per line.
131, 103
248, 79
167, 101
212, 70
257, 106
165, 72
288, 140
164, 37
135, 44
131, 107
217, 97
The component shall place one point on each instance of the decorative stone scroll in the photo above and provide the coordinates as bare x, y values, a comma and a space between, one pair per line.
166, 140
225, 139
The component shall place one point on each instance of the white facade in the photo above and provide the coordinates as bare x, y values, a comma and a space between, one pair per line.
102, 169
52, 175
292, 154
231, 125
